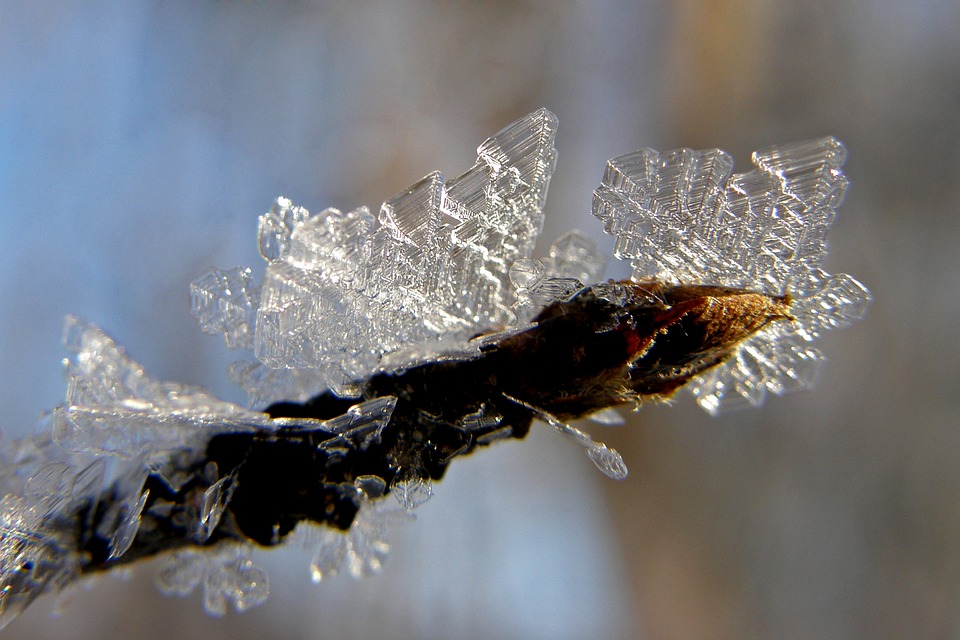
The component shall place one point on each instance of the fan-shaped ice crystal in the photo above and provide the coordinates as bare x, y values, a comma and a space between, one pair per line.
680, 216
113, 406
343, 289
412, 489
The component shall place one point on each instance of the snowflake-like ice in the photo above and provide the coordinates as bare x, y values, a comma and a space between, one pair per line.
680, 216
341, 290
227, 574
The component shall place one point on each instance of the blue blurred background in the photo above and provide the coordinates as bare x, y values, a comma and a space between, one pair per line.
140, 140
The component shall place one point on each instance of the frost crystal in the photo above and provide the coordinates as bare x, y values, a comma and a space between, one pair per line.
226, 301
572, 263
361, 550
680, 216
228, 575
343, 289
607, 460
114, 407
412, 490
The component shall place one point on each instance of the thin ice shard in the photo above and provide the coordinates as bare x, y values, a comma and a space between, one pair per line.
113, 405
226, 302
680, 216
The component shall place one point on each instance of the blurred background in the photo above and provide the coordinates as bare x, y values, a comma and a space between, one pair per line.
140, 140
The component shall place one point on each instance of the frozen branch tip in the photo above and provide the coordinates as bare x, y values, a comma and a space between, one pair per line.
382, 347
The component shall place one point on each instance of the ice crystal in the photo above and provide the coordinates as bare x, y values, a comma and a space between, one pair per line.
573, 262
227, 574
607, 460
361, 551
412, 489
343, 289
680, 216
114, 407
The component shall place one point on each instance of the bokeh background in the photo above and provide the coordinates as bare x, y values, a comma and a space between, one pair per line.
140, 140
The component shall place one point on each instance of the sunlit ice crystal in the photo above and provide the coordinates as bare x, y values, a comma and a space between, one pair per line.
38, 553
343, 289
31, 556
680, 216
115, 407
226, 301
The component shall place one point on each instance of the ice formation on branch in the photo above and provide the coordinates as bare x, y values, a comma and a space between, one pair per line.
343, 289
386, 346
680, 216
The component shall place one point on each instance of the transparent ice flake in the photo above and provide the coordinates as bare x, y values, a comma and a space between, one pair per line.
212, 506
127, 526
334, 243
574, 255
497, 434
264, 385
53, 479
573, 260
412, 489
609, 462
228, 576
33, 557
115, 407
414, 215
367, 541
361, 550
481, 419
330, 554
277, 225
363, 423
370, 487
226, 302
180, 573
237, 582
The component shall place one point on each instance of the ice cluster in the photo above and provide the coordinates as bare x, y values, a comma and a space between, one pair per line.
116, 427
345, 295
226, 573
341, 290
362, 550
680, 216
